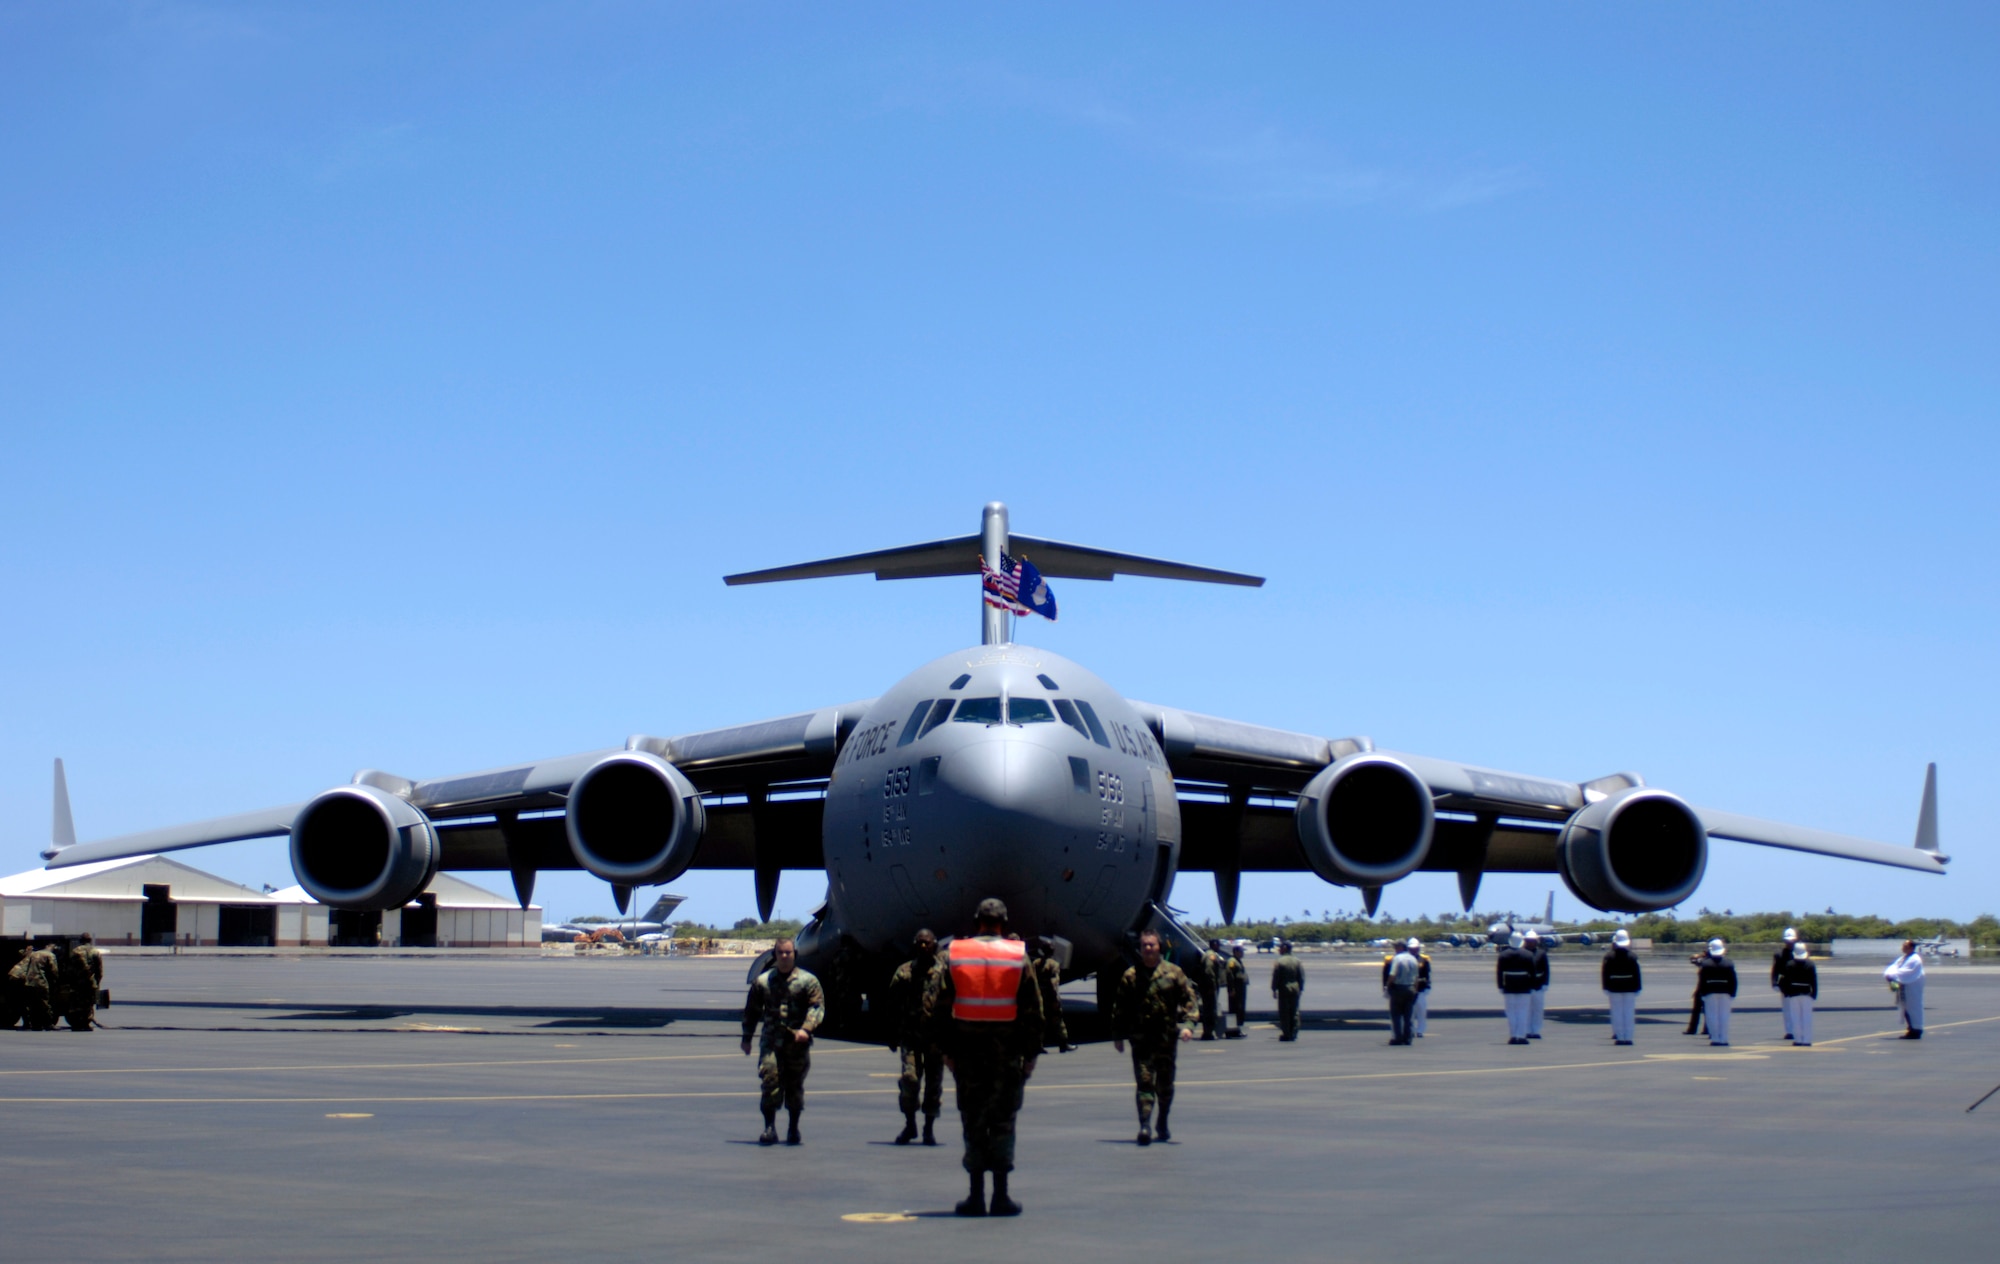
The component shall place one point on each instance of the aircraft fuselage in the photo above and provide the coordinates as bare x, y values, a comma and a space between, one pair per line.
1006, 771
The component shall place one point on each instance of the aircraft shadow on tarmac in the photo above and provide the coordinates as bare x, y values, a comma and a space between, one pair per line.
557, 1017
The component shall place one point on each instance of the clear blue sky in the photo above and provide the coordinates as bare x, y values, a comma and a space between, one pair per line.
1601, 387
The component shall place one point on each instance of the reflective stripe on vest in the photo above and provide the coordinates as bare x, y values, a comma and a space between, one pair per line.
986, 978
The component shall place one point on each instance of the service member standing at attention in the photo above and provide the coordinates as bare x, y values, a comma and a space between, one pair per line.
1208, 982
1288, 984
1238, 982
1420, 1017
1779, 960
1514, 970
789, 1003
1906, 975
1155, 1008
83, 969
1537, 999
1399, 984
1798, 983
922, 1072
987, 1017
1716, 980
1620, 976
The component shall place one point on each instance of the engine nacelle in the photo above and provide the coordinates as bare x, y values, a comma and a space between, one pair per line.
1365, 820
1637, 851
634, 819
359, 847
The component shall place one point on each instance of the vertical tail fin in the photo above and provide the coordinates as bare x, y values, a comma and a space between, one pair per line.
62, 827
1927, 829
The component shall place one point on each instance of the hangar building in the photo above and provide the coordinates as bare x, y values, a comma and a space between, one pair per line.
156, 901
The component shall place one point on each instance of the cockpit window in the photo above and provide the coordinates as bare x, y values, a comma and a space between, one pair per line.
910, 725
1047, 683
960, 682
1097, 733
1067, 710
939, 711
1029, 711
978, 711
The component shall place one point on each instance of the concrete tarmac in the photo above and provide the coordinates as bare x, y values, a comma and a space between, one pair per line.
555, 1109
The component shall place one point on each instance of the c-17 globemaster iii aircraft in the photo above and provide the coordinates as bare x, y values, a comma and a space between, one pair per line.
1002, 770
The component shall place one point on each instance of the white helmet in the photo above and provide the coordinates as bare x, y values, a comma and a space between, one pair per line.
1532, 935
1414, 944
1716, 947
1791, 935
1514, 940
1799, 951
1621, 938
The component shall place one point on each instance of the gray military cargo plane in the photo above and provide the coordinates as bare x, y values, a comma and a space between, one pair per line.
1002, 770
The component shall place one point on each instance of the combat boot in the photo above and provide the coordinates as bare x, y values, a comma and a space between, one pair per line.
1163, 1134
770, 1134
792, 1132
975, 1203
909, 1132
1002, 1205
930, 1130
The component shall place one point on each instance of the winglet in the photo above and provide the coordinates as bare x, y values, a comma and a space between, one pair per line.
1927, 829
62, 827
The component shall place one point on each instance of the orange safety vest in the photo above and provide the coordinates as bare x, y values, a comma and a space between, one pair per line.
986, 978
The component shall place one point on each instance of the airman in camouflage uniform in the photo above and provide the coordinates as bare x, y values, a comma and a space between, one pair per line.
990, 1062
13, 996
34, 974
1237, 980
83, 975
1288, 983
910, 990
1048, 971
789, 1003
1155, 1008
1208, 981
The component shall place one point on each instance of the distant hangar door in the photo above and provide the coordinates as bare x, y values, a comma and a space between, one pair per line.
354, 928
420, 922
247, 926
159, 919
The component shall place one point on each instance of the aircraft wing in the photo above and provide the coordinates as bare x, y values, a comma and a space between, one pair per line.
767, 776
1238, 783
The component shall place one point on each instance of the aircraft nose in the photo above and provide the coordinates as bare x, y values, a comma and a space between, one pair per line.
1006, 777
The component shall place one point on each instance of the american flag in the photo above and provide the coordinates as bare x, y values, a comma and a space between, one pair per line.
1017, 587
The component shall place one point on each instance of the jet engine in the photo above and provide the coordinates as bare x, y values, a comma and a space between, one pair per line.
1637, 851
634, 819
359, 847
1365, 820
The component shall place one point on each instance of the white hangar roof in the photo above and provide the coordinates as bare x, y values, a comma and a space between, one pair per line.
125, 879
451, 893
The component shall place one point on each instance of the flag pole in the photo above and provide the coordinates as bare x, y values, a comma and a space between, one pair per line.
994, 628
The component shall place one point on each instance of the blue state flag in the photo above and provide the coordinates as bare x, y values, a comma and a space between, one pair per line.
1034, 591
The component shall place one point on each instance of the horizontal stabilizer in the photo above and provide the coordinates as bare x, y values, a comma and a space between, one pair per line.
960, 556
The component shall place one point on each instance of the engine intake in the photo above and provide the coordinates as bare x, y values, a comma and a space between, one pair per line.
1365, 820
634, 819
358, 847
1638, 851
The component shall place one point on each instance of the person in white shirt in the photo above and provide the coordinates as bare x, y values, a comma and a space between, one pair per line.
1906, 975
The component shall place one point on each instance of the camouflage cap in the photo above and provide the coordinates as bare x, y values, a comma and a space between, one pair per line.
991, 910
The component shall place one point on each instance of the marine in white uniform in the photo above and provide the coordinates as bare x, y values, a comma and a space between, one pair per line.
1906, 975
1514, 969
1779, 960
1716, 977
1537, 999
1798, 983
1620, 975
1420, 1019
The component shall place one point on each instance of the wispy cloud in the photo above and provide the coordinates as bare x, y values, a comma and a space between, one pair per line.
1236, 155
